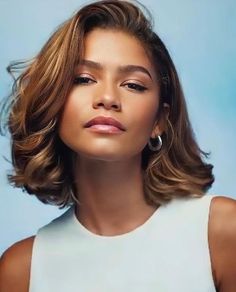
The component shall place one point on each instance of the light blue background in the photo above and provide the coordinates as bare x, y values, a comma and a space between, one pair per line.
201, 38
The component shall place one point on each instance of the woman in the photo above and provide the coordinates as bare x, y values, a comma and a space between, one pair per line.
99, 123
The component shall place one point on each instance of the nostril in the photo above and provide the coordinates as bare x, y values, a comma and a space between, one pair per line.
108, 102
101, 104
115, 106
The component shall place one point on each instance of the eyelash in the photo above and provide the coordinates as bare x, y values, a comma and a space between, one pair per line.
77, 80
136, 87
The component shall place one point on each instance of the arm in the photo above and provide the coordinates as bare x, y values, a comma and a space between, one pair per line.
222, 242
15, 267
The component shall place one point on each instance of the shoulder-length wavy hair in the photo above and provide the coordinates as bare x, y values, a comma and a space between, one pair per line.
43, 163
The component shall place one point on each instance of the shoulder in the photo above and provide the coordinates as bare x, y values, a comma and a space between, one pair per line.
222, 217
222, 241
15, 266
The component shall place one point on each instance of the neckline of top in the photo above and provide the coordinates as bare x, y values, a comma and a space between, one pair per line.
136, 231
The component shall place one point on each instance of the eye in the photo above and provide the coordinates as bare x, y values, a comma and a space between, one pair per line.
82, 80
136, 87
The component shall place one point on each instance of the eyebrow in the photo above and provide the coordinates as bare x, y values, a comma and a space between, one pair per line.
121, 69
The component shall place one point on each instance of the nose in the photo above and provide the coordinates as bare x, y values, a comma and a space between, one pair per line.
108, 98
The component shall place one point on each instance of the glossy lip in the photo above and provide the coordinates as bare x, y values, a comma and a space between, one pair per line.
101, 120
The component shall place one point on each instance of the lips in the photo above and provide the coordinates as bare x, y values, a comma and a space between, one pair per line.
105, 121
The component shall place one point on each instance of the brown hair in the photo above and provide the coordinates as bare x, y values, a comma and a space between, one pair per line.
43, 163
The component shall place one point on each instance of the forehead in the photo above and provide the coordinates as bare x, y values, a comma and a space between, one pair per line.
115, 47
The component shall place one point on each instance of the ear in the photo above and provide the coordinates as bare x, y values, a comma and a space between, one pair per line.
160, 124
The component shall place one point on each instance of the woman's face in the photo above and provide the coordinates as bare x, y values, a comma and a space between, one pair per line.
116, 80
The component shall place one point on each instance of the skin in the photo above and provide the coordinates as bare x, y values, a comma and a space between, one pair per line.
109, 201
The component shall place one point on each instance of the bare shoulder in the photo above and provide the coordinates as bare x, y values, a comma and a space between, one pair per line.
222, 242
222, 217
15, 266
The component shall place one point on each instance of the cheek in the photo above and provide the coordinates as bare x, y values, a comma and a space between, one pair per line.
70, 119
144, 114
142, 119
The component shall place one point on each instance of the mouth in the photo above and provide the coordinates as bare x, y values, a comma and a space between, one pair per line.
105, 124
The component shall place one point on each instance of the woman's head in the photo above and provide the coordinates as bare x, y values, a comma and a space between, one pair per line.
45, 90
122, 85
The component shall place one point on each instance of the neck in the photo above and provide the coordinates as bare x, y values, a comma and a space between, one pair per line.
111, 195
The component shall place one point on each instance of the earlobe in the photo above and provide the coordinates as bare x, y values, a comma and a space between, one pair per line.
156, 130
160, 124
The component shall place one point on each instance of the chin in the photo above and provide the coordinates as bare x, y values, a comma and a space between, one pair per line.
104, 156
109, 156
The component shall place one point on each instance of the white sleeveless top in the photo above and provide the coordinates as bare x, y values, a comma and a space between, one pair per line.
168, 253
